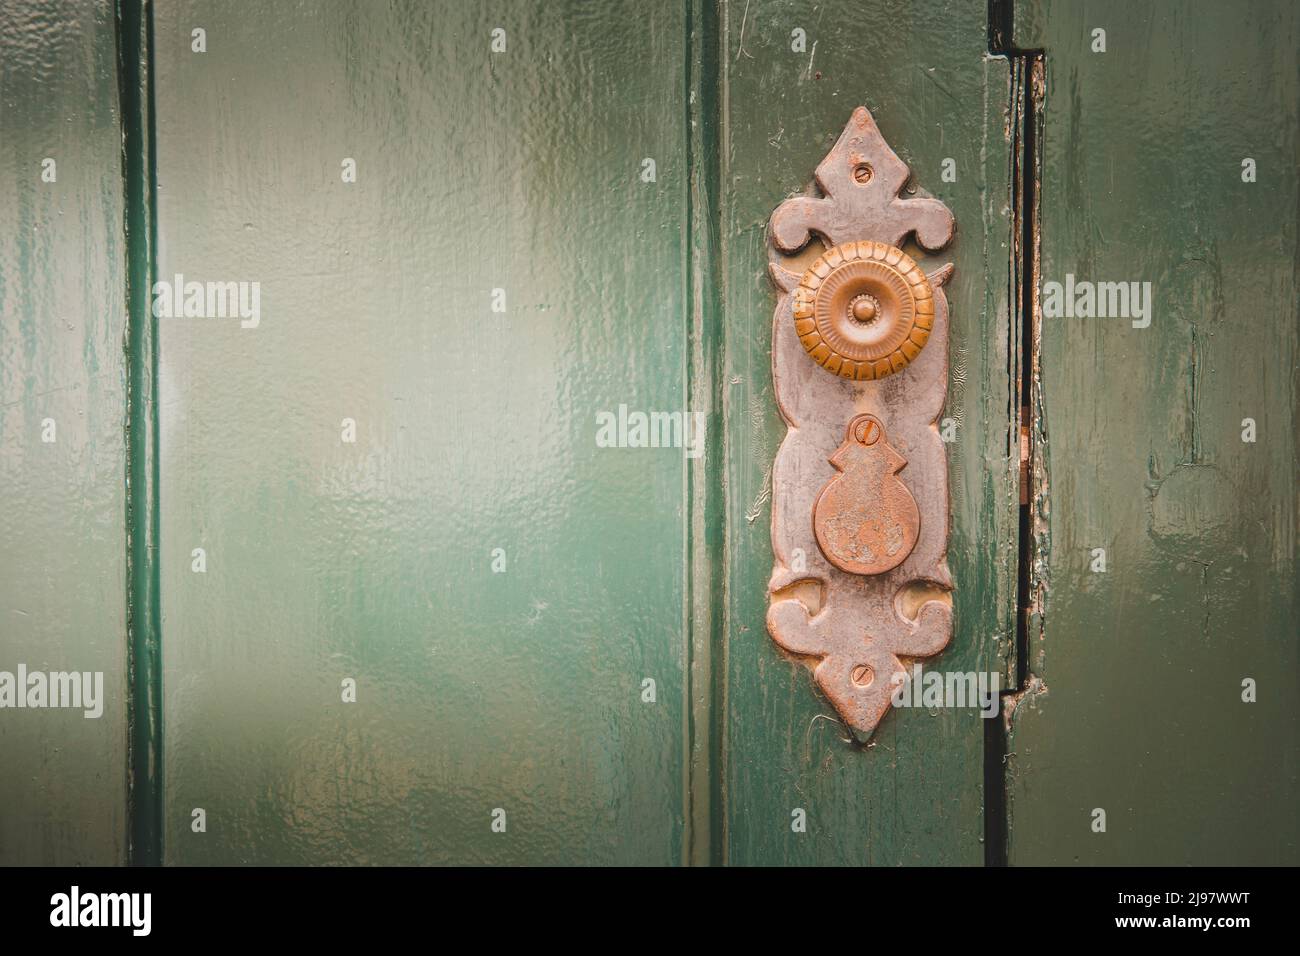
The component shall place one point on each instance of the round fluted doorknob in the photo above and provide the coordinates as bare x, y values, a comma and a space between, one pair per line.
863, 310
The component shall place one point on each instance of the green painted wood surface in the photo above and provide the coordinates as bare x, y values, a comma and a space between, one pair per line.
1139, 710
914, 794
522, 690
328, 560
475, 430
62, 528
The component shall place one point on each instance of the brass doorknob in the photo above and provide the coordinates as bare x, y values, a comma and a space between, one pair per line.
863, 310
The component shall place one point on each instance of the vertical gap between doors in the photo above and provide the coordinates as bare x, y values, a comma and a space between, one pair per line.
1027, 72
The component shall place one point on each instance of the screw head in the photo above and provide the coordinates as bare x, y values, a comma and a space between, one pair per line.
866, 430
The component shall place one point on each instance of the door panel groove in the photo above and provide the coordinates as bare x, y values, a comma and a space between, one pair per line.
134, 29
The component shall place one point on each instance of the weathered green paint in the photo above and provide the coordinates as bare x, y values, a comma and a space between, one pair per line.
1137, 673
62, 328
706, 495
475, 430
914, 793
372, 561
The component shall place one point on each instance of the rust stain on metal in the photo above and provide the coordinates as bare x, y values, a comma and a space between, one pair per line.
860, 514
866, 521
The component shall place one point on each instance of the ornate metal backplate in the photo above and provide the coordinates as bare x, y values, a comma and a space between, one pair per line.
860, 483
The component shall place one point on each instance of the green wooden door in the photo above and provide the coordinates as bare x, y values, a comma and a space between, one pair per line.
371, 577
915, 792
1169, 158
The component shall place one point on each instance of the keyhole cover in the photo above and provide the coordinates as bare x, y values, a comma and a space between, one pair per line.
865, 519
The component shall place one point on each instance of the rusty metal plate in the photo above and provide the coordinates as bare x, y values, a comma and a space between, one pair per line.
860, 482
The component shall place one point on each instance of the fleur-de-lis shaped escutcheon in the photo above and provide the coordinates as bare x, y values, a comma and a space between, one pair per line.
865, 519
860, 337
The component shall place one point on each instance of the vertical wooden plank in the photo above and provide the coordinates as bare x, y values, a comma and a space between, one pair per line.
62, 361
913, 794
519, 170
1135, 700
